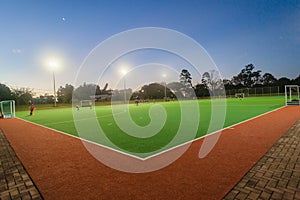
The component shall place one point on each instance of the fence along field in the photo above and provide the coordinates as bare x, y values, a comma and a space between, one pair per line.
238, 110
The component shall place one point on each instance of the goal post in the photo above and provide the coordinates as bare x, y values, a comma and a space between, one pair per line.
86, 103
292, 95
8, 109
239, 95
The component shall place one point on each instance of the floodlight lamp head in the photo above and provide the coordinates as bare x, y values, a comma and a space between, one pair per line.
53, 64
124, 72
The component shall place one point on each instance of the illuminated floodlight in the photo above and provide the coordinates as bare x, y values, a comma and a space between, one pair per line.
124, 72
53, 64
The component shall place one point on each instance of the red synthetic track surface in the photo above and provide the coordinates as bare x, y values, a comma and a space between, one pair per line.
62, 168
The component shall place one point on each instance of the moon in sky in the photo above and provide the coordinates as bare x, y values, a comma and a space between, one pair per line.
64, 19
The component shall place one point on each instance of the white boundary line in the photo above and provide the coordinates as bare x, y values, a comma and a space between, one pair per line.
228, 127
157, 154
68, 121
82, 139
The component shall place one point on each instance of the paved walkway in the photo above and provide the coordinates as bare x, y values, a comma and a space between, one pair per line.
15, 183
276, 175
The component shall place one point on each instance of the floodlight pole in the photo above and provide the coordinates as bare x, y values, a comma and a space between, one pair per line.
54, 89
164, 75
165, 91
124, 89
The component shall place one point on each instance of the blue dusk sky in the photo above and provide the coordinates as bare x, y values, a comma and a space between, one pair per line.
234, 33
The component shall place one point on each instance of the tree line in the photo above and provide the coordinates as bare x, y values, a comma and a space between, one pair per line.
251, 78
64, 94
211, 80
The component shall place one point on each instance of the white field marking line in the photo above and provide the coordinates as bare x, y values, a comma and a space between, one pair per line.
82, 139
229, 127
68, 121
248, 105
157, 154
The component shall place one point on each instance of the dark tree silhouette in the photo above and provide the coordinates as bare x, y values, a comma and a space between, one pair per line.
22, 96
212, 80
5, 92
86, 91
268, 79
64, 94
247, 77
185, 78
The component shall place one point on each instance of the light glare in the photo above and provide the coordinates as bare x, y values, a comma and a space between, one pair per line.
53, 64
124, 72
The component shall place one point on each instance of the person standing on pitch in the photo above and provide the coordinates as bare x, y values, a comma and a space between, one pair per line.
31, 108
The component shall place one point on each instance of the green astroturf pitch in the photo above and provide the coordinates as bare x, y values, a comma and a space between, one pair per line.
62, 119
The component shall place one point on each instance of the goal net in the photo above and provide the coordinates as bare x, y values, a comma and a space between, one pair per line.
292, 95
86, 103
239, 95
7, 109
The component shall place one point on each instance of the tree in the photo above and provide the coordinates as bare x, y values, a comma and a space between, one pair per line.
93, 91
237, 80
119, 95
22, 96
268, 79
201, 90
153, 91
185, 78
64, 94
5, 92
86, 91
296, 81
212, 80
176, 89
247, 77
175, 86
281, 82
228, 84
43, 99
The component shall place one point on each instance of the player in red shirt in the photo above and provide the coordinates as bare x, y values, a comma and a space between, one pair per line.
31, 108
